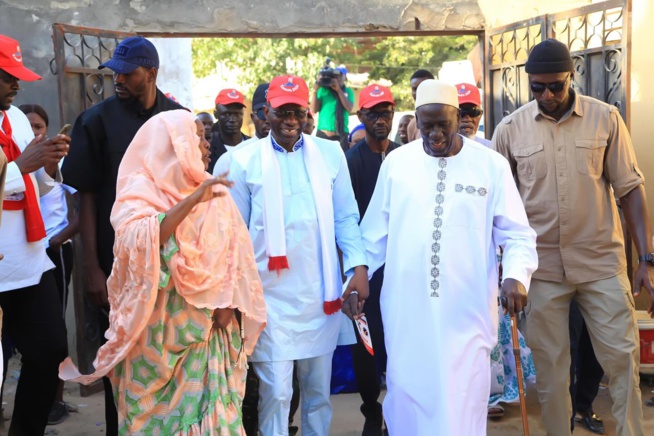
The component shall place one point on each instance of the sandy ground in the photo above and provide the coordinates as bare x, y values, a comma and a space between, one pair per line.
347, 420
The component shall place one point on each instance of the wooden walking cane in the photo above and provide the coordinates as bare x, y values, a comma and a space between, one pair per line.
518, 367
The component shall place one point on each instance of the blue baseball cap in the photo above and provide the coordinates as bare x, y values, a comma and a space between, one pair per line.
131, 53
342, 69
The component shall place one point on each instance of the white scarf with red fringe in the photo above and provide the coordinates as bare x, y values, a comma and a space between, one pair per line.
273, 217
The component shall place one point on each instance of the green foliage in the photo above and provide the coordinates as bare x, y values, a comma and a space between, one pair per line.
392, 58
397, 58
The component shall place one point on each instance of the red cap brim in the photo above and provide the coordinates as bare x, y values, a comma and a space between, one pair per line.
469, 100
22, 73
276, 102
229, 102
369, 104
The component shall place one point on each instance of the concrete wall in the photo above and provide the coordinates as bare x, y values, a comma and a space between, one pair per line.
518, 10
642, 97
175, 72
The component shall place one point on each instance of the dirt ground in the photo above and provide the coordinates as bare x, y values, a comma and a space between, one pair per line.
347, 421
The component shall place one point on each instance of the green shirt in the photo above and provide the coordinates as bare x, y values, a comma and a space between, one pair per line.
327, 117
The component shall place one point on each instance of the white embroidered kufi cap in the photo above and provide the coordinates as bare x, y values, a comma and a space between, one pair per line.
434, 91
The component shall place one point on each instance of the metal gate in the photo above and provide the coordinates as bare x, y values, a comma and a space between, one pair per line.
79, 51
597, 38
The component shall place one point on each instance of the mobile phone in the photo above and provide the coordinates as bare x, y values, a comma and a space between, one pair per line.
65, 130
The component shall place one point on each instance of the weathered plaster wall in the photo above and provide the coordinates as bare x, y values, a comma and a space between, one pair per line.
30, 22
499, 13
642, 98
175, 73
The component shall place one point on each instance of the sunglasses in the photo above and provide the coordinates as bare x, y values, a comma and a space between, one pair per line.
472, 112
554, 87
299, 114
260, 114
374, 116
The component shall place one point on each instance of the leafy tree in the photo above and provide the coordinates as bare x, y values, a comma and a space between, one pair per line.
390, 58
397, 58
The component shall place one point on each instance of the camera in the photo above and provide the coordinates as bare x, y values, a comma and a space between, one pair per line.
327, 73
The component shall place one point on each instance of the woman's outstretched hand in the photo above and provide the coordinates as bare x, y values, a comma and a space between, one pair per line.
205, 191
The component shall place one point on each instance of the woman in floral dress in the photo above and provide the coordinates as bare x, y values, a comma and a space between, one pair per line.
184, 264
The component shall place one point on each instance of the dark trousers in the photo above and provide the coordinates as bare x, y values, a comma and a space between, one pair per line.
63, 260
585, 371
368, 368
110, 411
32, 318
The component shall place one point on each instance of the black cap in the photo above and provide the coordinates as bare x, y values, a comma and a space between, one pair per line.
259, 97
549, 56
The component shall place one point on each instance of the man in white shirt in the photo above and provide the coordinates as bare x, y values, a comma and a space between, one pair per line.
295, 196
28, 293
441, 207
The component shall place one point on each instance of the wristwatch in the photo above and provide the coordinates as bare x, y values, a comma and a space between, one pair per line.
649, 258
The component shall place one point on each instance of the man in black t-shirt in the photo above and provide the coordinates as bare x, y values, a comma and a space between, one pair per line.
229, 113
99, 140
364, 159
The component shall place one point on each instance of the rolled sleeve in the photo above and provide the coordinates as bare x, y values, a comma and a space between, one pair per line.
45, 182
621, 167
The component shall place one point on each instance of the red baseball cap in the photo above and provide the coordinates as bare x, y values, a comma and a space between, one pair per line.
468, 94
288, 90
230, 96
11, 60
372, 95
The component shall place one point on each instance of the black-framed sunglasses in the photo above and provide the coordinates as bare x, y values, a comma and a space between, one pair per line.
260, 114
472, 112
299, 114
554, 87
374, 116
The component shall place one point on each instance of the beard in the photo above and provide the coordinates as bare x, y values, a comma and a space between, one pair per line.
378, 135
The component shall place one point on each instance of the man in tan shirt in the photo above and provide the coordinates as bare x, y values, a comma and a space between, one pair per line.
566, 152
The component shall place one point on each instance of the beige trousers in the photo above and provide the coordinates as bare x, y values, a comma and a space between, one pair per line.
608, 309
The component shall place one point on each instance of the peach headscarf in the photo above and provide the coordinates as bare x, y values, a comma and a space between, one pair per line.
215, 265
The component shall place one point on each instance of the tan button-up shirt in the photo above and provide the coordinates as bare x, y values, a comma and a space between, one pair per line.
564, 171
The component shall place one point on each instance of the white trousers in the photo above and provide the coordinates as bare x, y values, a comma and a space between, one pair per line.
276, 390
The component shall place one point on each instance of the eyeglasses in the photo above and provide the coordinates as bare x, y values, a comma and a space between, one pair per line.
472, 112
374, 116
299, 114
260, 114
554, 87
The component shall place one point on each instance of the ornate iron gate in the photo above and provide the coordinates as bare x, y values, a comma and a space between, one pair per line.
597, 38
79, 51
